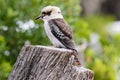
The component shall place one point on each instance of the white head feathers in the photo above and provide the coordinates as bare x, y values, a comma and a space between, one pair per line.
51, 12
53, 9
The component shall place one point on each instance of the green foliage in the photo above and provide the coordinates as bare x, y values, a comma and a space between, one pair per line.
81, 30
103, 64
5, 69
12, 38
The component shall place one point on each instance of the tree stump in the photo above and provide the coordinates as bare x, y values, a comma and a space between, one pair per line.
47, 63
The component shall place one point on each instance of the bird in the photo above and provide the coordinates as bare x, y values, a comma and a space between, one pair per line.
58, 30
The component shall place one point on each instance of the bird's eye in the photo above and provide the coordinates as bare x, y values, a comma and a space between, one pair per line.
43, 12
48, 13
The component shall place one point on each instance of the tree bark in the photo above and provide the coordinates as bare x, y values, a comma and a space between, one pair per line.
47, 63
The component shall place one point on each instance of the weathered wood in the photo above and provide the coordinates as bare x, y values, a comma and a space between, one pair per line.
47, 63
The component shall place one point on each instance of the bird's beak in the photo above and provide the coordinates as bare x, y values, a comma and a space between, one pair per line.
40, 17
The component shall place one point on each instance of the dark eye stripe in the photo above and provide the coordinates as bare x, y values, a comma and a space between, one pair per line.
46, 13
43, 12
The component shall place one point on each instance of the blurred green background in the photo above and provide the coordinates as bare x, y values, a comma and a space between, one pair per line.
89, 20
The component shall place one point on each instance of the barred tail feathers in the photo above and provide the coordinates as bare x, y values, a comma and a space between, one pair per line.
76, 62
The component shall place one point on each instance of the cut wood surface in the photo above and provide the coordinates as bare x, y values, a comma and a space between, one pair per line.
47, 63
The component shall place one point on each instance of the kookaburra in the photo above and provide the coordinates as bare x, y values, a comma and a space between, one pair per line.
57, 29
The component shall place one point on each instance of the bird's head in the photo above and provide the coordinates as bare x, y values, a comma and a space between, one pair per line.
50, 12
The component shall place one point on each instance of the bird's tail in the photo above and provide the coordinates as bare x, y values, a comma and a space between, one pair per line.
76, 61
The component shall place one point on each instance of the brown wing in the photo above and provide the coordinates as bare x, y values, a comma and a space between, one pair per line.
62, 32
64, 27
